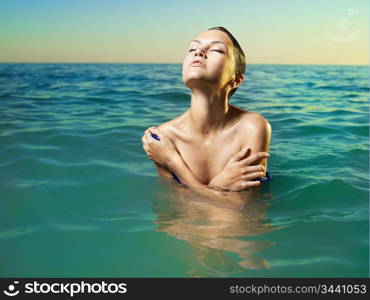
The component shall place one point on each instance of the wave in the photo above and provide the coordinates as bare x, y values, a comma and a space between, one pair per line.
350, 88
17, 232
318, 216
168, 96
335, 193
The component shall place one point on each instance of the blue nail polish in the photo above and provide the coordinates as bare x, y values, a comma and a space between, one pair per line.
154, 136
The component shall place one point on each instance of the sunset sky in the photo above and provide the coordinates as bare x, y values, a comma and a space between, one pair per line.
143, 31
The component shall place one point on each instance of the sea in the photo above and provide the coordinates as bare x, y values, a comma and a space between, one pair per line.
80, 198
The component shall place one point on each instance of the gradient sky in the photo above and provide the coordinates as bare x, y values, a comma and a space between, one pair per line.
270, 31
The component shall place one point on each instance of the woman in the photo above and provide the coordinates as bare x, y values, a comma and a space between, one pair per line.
213, 146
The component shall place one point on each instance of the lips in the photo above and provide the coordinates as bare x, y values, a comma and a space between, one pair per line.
197, 62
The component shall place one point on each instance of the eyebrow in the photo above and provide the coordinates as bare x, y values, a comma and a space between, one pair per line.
213, 42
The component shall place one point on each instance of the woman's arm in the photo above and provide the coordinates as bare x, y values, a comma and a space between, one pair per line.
207, 191
230, 199
259, 136
162, 151
236, 176
212, 190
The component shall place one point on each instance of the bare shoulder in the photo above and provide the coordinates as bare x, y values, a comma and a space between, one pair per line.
166, 125
254, 131
171, 126
255, 121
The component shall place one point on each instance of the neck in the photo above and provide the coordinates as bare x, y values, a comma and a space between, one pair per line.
208, 112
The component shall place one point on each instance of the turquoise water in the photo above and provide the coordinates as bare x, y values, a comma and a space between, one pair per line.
80, 198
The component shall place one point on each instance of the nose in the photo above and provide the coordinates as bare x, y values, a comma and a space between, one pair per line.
199, 52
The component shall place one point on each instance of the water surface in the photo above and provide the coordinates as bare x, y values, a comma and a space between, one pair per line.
80, 198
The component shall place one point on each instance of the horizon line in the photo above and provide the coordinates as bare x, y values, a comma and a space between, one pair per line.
173, 63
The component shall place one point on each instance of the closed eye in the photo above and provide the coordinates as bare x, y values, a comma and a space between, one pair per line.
220, 51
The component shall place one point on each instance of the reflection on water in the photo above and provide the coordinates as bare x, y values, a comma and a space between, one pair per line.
215, 230
74, 174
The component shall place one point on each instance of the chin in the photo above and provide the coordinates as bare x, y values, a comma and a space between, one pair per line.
194, 75
200, 83
193, 81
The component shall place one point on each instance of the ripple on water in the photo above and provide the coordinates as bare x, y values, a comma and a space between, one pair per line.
17, 232
71, 153
334, 193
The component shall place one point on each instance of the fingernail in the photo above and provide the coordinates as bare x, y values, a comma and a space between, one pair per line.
268, 154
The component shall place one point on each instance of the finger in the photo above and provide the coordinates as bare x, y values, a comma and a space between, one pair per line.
146, 150
146, 146
255, 157
143, 138
157, 133
241, 154
147, 140
252, 176
251, 169
246, 185
149, 137
148, 133
249, 184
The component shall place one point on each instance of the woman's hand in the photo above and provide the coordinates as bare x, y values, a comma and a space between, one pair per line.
239, 172
162, 151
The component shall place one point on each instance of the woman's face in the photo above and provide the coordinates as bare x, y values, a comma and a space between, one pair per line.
214, 51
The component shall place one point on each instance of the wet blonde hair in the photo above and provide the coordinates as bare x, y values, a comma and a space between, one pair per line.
240, 62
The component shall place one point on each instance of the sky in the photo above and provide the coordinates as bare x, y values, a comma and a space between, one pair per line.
158, 31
